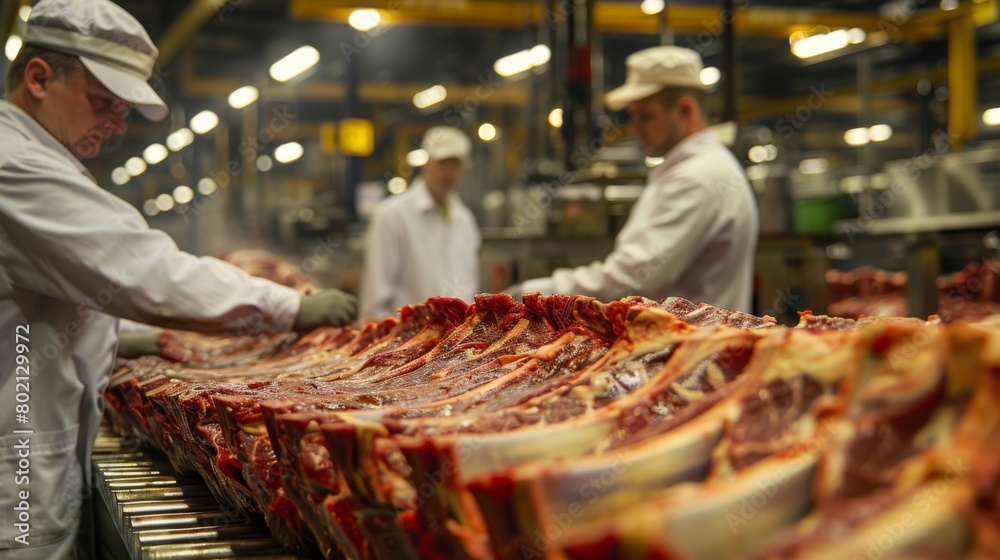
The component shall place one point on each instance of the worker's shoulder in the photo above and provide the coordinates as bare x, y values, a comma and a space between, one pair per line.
395, 204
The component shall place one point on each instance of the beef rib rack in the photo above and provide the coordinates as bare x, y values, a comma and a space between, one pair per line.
564, 427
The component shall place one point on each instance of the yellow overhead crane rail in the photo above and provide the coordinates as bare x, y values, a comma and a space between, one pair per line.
617, 17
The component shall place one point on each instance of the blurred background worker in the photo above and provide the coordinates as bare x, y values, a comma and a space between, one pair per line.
74, 258
424, 242
693, 231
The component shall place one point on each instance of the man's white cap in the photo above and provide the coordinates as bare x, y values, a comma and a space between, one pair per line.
110, 43
650, 70
443, 142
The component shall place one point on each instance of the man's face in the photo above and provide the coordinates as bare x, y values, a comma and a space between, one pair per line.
81, 113
442, 175
657, 126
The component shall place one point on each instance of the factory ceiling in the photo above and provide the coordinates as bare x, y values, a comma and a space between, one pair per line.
210, 47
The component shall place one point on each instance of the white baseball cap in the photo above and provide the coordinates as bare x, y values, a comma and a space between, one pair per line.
443, 142
110, 43
651, 70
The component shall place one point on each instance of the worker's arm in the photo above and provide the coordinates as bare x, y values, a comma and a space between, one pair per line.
71, 240
653, 249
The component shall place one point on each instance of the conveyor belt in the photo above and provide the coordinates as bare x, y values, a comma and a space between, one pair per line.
160, 515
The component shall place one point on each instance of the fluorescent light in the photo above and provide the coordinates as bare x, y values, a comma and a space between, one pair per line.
364, 19
813, 166
164, 202
760, 154
487, 132
204, 122
820, 44
23, 12
12, 47
149, 207
295, 63
397, 185
856, 36
135, 166
857, 136
539, 55
154, 153
880, 132
180, 139
243, 96
417, 158
556, 118
287, 153
265, 163
710, 76
120, 176
991, 117
207, 186
949, 5
183, 194
522, 61
651, 7
430, 96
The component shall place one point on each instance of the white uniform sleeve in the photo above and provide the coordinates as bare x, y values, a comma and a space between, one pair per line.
653, 249
382, 268
76, 242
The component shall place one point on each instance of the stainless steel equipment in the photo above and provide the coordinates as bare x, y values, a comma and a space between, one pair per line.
146, 511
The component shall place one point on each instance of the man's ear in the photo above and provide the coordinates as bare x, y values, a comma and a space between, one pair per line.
685, 106
38, 75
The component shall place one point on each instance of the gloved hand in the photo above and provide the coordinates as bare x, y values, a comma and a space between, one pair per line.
140, 343
514, 291
327, 308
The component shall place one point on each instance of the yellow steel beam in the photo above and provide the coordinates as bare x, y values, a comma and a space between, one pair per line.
611, 17
754, 109
962, 80
184, 28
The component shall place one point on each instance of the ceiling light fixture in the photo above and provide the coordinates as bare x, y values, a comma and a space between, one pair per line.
204, 122
487, 132
556, 118
295, 63
652, 7
522, 61
815, 45
364, 19
243, 96
710, 75
287, 153
155, 153
12, 47
430, 96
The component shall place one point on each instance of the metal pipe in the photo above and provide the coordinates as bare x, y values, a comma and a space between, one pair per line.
728, 61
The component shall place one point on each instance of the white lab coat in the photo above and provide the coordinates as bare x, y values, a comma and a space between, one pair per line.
415, 253
692, 233
72, 257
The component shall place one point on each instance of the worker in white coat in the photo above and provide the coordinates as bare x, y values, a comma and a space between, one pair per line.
73, 257
425, 241
693, 231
